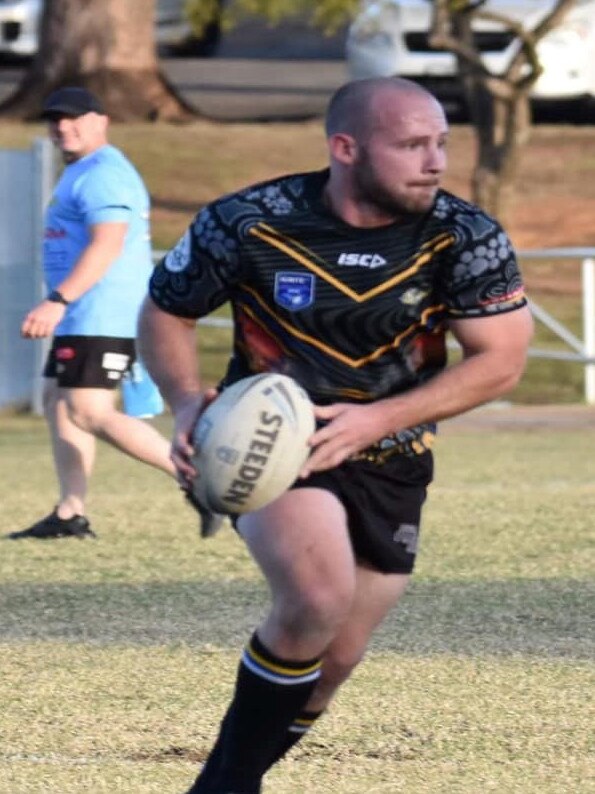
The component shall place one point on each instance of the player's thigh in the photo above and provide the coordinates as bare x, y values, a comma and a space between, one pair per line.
301, 543
51, 394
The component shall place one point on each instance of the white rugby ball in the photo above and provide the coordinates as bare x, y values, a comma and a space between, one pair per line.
250, 443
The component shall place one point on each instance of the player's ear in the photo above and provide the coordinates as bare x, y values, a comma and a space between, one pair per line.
343, 148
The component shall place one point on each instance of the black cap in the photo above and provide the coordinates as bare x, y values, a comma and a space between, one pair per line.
71, 101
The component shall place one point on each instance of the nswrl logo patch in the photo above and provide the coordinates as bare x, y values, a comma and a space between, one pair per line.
294, 291
407, 534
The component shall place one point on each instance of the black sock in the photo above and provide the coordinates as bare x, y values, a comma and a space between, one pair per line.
269, 693
296, 732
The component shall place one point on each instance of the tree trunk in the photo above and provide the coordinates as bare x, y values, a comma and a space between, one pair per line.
502, 125
107, 46
500, 134
498, 103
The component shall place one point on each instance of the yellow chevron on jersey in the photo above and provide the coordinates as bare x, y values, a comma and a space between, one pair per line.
333, 352
350, 313
289, 246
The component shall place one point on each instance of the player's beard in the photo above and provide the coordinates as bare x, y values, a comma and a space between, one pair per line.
371, 191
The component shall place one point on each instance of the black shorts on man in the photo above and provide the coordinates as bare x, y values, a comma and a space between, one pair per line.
383, 504
89, 362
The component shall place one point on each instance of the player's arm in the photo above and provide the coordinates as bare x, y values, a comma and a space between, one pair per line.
494, 356
105, 245
493, 361
167, 345
191, 281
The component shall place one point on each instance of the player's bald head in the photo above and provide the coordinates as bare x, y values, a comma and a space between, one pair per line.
354, 106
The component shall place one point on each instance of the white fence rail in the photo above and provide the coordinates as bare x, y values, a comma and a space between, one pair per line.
582, 351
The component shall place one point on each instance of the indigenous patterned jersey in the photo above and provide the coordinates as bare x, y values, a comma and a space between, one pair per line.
352, 314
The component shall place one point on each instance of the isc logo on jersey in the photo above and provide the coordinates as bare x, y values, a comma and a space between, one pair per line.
361, 260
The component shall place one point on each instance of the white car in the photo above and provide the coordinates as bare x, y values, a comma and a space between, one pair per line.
391, 37
173, 31
19, 20
19, 23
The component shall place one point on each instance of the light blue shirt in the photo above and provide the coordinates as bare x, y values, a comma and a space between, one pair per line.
101, 187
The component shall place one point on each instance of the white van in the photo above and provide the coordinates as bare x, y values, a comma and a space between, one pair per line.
390, 37
19, 22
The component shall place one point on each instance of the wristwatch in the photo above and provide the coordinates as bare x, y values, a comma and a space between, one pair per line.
57, 297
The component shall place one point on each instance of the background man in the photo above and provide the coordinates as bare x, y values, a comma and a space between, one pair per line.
97, 261
351, 277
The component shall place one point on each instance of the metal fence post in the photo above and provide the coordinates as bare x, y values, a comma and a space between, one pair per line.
43, 184
589, 327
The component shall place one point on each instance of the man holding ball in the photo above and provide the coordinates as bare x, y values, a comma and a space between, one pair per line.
347, 280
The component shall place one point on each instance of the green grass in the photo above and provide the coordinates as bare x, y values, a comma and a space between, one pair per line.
118, 656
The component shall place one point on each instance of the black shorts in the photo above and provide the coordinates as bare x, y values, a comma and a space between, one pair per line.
383, 504
89, 362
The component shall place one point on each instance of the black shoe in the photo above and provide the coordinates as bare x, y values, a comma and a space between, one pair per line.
53, 526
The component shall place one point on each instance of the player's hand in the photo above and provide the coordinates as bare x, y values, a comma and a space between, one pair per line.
349, 429
42, 320
186, 417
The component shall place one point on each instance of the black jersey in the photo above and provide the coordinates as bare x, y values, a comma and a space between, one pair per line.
352, 314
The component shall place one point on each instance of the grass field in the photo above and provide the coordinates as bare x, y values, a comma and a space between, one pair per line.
118, 655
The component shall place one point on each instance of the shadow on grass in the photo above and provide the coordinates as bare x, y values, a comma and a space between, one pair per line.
548, 618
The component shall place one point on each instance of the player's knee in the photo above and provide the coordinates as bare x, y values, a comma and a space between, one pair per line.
319, 609
86, 418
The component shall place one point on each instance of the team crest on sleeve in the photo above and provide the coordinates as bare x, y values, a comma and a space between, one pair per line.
179, 256
294, 291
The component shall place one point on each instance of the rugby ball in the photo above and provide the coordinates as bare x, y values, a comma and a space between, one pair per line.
251, 442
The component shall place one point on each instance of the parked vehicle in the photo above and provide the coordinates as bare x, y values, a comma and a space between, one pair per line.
391, 37
175, 35
19, 23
